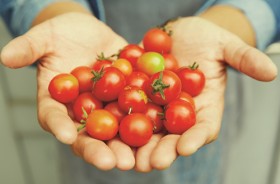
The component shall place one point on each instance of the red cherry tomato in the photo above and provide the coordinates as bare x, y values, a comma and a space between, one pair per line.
150, 63
136, 129
163, 87
102, 125
64, 88
193, 79
84, 76
108, 83
187, 97
115, 109
157, 40
133, 99
137, 79
179, 117
131, 52
84, 104
102, 62
98, 65
155, 113
170, 62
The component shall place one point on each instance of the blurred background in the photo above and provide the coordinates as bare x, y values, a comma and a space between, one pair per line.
30, 156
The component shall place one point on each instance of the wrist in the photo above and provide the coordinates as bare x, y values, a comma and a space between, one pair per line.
59, 8
233, 20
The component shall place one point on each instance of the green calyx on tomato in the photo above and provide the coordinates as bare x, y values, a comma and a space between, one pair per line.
194, 66
97, 75
158, 86
103, 57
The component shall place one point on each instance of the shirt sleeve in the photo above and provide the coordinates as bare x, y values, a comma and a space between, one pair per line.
19, 14
275, 6
260, 15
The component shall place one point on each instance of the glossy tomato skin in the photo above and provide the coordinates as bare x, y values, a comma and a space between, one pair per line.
136, 129
187, 97
64, 88
124, 66
157, 40
137, 79
170, 62
171, 92
156, 114
85, 102
99, 64
179, 117
193, 80
131, 52
109, 85
150, 63
115, 109
102, 125
84, 76
133, 99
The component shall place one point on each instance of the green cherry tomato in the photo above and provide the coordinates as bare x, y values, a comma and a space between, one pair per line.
150, 63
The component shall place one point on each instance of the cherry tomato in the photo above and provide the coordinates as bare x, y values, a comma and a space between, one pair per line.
115, 109
137, 79
124, 66
133, 99
84, 76
170, 62
187, 97
131, 52
155, 113
163, 87
108, 83
84, 104
179, 117
102, 62
102, 125
136, 129
193, 79
150, 63
64, 88
157, 40
98, 65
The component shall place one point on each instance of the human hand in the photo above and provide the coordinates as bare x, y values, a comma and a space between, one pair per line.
213, 48
61, 44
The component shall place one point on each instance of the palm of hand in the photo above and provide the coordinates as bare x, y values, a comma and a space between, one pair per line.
64, 51
61, 50
197, 40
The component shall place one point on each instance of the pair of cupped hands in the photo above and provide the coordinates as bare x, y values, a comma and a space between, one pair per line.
70, 40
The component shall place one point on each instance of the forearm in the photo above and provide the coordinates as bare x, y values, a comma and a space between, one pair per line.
58, 8
233, 20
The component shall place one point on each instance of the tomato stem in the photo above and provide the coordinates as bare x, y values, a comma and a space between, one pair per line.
194, 66
81, 127
159, 86
97, 74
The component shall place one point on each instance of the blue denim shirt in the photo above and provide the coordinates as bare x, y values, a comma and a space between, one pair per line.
18, 17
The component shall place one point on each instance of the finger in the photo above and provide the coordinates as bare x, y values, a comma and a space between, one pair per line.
250, 61
124, 154
94, 151
203, 132
143, 154
54, 118
26, 49
165, 152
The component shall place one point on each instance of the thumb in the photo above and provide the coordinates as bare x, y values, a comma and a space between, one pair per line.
26, 49
250, 61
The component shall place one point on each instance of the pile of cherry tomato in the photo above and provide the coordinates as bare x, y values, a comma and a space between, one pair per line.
133, 94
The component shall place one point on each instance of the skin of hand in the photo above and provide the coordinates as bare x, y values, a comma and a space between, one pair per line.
60, 44
214, 48
61, 50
